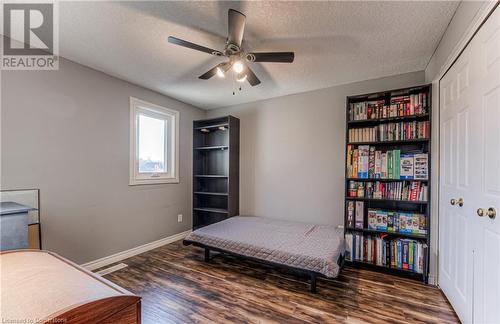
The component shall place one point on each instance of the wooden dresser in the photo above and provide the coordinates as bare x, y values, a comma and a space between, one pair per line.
40, 286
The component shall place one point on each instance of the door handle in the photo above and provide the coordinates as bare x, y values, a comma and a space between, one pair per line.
453, 202
460, 202
491, 212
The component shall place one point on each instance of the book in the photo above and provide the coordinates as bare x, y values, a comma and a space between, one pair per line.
384, 165
414, 191
381, 220
421, 166
396, 160
349, 160
350, 213
372, 219
406, 167
355, 163
348, 246
390, 222
371, 163
359, 223
390, 164
399, 254
363, 161
404, 256
405, 222
378, 165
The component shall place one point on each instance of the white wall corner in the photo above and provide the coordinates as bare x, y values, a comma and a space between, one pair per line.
105, 261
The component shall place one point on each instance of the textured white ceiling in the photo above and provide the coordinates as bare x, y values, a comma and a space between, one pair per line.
334, 43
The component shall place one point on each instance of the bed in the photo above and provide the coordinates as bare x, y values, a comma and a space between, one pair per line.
315, 250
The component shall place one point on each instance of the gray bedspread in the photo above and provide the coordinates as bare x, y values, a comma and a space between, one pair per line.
300, 245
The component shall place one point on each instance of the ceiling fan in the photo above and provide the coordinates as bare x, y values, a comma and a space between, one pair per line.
238, 59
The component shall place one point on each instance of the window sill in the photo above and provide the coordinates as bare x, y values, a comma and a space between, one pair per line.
141, 182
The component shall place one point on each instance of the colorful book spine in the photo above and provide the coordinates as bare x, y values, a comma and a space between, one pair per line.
359, 213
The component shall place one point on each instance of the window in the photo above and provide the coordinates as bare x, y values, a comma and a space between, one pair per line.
154, 143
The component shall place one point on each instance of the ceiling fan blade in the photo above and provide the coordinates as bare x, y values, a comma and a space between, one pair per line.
181, 42
210, 73
251, 77
235, 26
276, 57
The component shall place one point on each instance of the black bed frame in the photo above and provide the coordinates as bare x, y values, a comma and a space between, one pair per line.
312, 274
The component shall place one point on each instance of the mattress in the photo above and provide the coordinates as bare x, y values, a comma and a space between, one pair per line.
304, 246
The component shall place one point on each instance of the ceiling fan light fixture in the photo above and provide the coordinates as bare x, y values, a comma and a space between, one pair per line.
241, 78
238, 67
237, 60
220, 73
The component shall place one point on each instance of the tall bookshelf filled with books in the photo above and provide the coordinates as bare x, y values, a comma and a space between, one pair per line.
387, 185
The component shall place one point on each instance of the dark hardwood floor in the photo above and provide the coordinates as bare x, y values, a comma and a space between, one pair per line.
178, 287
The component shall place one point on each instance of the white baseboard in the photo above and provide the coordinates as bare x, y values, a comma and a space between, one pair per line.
102, 262
433, 280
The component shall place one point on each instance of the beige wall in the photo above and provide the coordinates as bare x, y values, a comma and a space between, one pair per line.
292, 151
67, 133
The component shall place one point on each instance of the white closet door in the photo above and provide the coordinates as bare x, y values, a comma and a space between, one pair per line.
487, 163
469, 245
456, 182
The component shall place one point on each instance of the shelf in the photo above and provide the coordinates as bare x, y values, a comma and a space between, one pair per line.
212, 210
217, 147
384, 180
211, 193
369, 265
368, 231
210, 176
388, 200
216, 143
212, 126
389, 119
413, 141
415, 145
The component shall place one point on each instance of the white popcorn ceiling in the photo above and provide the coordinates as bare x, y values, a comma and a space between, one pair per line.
334, 43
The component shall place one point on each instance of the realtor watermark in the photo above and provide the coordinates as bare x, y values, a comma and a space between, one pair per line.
27, 320
30, 36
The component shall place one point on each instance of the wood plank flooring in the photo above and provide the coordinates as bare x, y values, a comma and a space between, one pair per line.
178, 287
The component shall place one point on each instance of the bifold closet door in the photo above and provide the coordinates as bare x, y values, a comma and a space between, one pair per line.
469, 239
487, 163
455, 178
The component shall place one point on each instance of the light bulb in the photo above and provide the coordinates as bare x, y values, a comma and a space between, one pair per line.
241, 79
220, 73
238, 67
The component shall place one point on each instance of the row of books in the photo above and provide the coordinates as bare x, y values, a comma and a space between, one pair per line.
365, 162
404, 190
401, 131
401, 254
401, 106
384, 220
397, 222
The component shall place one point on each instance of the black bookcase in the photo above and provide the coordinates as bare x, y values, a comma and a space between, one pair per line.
216, 154
393, 205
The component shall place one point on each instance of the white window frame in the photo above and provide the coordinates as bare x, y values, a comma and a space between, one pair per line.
137, 107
